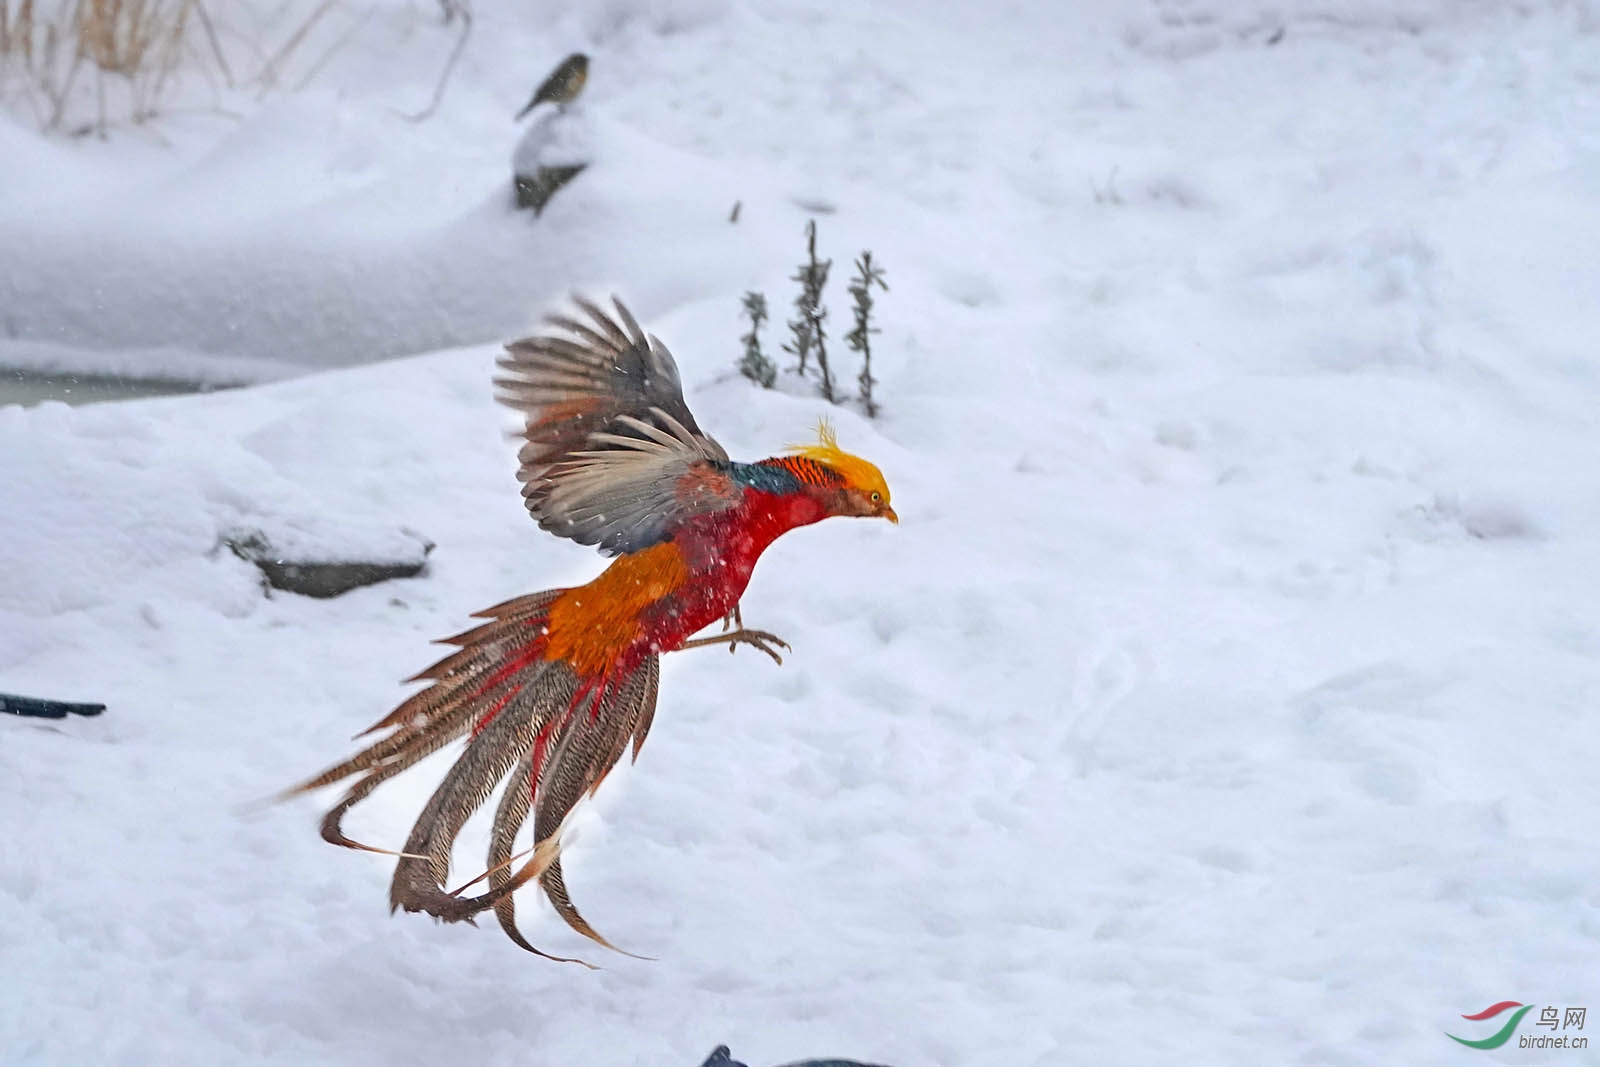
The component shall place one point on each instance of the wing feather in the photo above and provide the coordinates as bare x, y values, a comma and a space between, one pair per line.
612, 455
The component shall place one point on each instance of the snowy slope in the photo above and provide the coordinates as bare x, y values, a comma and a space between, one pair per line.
1224, 696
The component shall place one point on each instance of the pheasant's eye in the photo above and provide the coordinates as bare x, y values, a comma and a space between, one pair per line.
877, 498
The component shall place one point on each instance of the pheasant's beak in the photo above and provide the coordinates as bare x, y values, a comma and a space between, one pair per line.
888, 513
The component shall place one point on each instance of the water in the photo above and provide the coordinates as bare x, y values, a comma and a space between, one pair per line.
29, 388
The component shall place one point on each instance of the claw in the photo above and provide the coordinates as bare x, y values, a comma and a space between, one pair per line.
762, 640
758, 638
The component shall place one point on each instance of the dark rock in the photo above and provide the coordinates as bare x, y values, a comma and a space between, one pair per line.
556, 147
319, 572
534, 191
35, 708
721, 1057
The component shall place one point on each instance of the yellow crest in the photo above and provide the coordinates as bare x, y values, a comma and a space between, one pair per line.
857, 472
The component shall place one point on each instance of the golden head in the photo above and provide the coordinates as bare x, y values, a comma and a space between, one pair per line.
864, 491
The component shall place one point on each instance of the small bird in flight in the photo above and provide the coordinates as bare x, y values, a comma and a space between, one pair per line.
554, 687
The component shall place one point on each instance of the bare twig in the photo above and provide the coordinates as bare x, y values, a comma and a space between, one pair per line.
171, 54
329, 52
269, 72
216, 45
59, 97
451, 8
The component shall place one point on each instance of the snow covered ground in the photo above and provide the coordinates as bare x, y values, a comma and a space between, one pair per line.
1225, 695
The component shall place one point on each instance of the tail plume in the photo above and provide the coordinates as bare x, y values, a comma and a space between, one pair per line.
554, 733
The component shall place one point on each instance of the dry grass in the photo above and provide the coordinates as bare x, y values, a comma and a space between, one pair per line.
71, 54
82, 65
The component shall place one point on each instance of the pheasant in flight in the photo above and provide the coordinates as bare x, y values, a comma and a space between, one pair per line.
553, 688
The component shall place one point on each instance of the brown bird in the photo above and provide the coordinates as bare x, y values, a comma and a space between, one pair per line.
562, 86
556, 686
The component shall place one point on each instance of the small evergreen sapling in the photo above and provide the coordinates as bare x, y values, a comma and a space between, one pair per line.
755, 365
807, 330
809, 333
860, 338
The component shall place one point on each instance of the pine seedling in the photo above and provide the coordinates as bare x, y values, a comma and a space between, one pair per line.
860, 338
809, 333
755, 365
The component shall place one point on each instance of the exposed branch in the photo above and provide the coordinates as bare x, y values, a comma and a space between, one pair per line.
451, 9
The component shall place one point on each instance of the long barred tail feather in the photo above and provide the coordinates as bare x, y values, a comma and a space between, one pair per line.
432, 718
554, 733
419, 885
572, 775
578, 759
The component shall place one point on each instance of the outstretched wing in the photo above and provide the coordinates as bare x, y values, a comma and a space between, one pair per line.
612, 456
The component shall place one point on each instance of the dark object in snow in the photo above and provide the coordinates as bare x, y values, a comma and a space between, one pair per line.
34, 708
562, 86
309, 575
535, 191
721, 1057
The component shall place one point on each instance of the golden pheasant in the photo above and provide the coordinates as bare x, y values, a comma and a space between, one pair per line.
554, 687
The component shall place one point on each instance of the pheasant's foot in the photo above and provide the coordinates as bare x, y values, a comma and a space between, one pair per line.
766, 642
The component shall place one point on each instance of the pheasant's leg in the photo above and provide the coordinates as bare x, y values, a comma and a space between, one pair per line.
758, 638
732, 618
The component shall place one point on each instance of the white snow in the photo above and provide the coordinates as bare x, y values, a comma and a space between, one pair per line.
1226, 694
